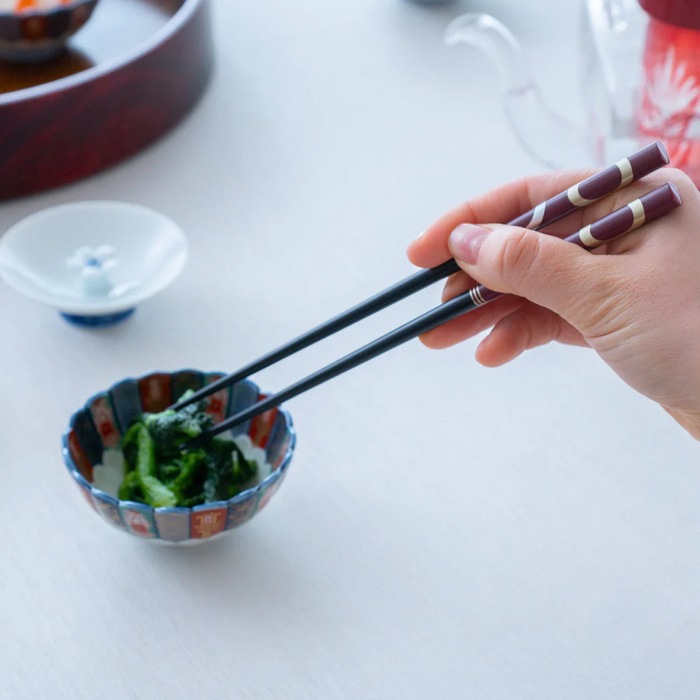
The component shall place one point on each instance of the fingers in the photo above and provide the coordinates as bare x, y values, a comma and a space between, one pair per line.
676, 229
545, 270
471, 324
575, 289
500, 205
527, 328
456, 285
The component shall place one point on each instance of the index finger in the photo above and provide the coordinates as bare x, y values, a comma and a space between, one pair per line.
498, 206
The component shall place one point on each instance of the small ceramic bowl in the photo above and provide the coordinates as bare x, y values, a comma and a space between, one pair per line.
92, 454
31, 36
93, 261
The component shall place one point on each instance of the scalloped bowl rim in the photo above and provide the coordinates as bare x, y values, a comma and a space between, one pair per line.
83, 482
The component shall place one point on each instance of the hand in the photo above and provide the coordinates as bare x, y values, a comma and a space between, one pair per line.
637, 305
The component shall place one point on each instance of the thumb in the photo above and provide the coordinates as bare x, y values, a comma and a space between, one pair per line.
546, 270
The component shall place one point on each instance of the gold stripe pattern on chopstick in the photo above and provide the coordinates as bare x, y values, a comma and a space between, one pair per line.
639, 214
587, 239
537, 216
576, 199
626, 171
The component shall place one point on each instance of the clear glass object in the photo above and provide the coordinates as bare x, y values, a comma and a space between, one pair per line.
640, 82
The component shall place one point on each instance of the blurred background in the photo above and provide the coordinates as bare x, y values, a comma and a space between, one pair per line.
446, 530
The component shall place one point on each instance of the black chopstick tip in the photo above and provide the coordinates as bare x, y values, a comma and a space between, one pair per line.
181, 404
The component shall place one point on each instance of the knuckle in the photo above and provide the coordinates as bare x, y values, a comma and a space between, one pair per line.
675, 175
519, 255
601, 307
685, 185
656, 179
661, 177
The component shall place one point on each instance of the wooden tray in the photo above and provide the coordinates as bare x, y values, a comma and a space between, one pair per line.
128, 76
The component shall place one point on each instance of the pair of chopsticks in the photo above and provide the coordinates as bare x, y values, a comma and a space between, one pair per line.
647, 208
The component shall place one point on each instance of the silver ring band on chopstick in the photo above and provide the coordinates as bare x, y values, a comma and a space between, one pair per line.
477, 299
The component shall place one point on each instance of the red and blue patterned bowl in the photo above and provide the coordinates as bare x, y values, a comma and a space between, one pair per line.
37, 35
96, 429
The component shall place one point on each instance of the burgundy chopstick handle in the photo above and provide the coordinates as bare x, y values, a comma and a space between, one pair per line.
596, 187
647, 208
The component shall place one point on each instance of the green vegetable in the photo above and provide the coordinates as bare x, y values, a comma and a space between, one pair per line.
164, 471
130, 446
189, 482
130, 490
155, 493
171, 429
243, 470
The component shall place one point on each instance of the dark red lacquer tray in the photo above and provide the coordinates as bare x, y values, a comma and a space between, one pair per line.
131, 74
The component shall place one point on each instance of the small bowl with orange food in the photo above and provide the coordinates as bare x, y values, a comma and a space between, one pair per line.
37, 30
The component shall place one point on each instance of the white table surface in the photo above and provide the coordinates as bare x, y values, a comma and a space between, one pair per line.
446, 531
